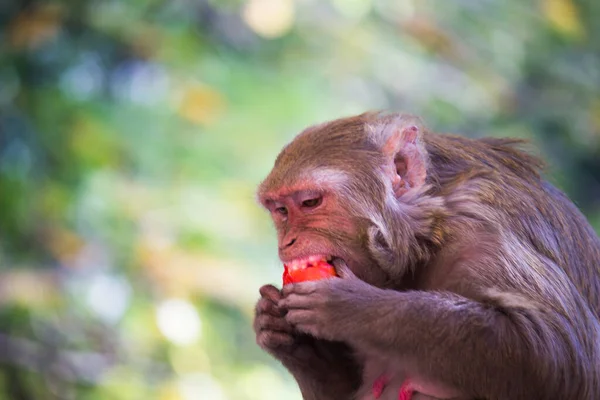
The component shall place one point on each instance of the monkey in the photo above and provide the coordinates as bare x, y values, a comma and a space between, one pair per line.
462, 272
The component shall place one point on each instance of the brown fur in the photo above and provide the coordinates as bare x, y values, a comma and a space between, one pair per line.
482, 280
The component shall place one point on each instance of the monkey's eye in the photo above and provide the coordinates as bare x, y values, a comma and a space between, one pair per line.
312, 203
281, 210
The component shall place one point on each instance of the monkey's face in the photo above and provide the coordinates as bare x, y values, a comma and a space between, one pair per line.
316, 223
322, 195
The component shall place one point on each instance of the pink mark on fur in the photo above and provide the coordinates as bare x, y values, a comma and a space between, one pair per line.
379, 385
406, 391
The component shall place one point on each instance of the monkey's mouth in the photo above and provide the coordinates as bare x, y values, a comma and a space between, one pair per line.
308, 262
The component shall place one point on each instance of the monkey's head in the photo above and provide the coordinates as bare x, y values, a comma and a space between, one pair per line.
354, 188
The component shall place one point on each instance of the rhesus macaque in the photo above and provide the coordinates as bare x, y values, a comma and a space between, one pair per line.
462, 273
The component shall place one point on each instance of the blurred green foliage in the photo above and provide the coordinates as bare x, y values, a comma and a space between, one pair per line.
133, 135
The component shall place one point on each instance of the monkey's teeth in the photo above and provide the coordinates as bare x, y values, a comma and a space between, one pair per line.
301, 263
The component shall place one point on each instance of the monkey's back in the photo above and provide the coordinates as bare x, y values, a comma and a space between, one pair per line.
510, 182
578, 245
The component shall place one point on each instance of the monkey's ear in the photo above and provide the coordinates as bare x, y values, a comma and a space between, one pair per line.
406, 158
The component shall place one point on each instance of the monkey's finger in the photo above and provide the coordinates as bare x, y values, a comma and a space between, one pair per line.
269, 323
301, 288
273, 340
270, 292
266, 306
296, 301
300, 317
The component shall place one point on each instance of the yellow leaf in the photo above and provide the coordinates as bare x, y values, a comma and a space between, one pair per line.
33, 27
64, 244
201, 105
564, 17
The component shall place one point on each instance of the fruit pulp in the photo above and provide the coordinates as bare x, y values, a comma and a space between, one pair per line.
310, 271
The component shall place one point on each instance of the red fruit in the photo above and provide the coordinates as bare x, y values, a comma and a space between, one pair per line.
312, 271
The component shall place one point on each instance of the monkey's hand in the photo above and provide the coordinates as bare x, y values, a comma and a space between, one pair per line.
323, 369
273, 333
328, 308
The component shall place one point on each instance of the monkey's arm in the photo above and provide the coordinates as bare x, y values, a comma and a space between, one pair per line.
488, 348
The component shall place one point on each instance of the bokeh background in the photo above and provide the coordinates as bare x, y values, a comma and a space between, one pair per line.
133, 134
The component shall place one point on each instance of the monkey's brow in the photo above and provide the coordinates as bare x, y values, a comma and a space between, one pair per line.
312, 183
290, 193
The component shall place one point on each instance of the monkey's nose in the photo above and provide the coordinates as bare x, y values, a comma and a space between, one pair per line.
287, 244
